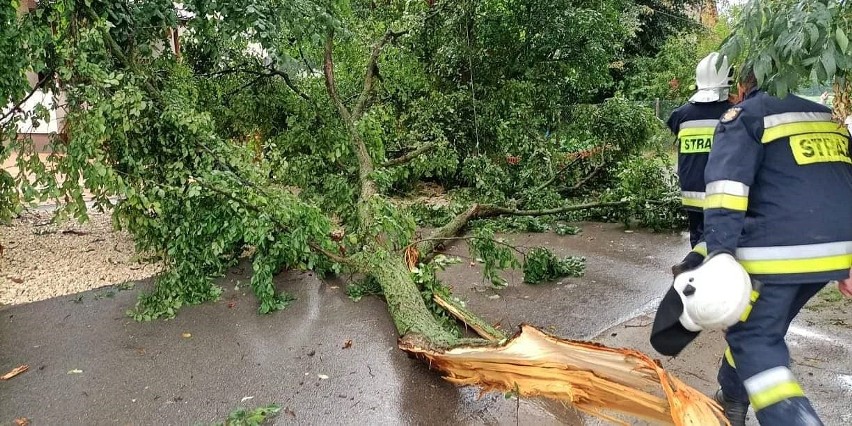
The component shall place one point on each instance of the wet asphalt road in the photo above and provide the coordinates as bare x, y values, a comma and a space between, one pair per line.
142, 374
626, 274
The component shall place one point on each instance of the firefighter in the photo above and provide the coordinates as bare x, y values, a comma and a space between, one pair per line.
693, 125
779, 199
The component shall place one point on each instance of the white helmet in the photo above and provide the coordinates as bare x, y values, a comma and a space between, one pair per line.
715, 294
713, 83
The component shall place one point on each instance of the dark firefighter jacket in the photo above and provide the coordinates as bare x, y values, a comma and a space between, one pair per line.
779, 190
693, 124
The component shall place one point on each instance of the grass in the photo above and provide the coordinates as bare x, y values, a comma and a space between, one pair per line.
830, 296
251, 417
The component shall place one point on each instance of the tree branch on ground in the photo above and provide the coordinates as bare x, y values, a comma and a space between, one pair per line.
482, 328
482, 211
587, 178
551, 180
228, 204
461, 238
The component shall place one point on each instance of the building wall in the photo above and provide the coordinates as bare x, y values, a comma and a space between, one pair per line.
40, 130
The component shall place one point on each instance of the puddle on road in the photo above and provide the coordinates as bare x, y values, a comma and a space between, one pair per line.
810, 334
845, 382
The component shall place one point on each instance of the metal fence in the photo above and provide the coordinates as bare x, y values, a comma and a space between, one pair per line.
662, 107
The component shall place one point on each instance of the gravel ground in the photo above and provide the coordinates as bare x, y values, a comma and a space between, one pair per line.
41, 260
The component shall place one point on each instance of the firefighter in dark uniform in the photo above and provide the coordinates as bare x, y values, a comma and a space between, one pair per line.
778, 198
693, 124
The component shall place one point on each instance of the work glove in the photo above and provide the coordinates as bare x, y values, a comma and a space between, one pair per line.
691, 261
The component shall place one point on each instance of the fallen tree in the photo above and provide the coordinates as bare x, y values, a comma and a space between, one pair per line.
592, 377
146, 130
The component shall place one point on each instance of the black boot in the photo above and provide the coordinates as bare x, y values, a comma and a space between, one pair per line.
735, 411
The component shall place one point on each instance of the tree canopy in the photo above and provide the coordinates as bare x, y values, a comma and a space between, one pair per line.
789, 42
281, 124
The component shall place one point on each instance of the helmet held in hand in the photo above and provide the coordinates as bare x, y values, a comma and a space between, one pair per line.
715, 294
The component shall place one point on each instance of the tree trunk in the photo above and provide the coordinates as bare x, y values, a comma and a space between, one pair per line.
531, 364
405, 305
590, 376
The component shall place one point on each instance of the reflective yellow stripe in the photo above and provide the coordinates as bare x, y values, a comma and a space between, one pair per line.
790, 129
747, 311
696, 131
729, 357
700, 248
692, 202
798, 266
775, 394
706, 123
794, 117
771, 386
726, 201
801, 251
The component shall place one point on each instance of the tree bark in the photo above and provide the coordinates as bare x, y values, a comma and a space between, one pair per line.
365, 162
482, 328
842, 106
405, 304
451, 229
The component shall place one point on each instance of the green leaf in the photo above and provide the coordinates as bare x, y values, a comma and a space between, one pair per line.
842, 40
828, 62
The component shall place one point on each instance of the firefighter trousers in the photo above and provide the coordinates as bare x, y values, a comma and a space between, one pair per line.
695, 221
756, 365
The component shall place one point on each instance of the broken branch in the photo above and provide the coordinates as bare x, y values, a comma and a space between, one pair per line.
554, 177
482, 328
458, 238
486, 211
411, 155
341, 260
449, 231
588, 375
588, 177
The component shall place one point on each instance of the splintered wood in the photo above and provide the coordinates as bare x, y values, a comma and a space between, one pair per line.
595, 379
